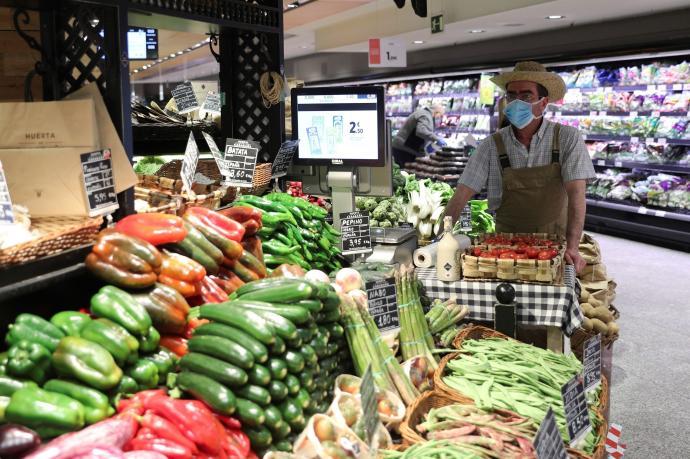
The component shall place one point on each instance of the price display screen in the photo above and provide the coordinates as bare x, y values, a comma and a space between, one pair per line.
339, 126
142, 43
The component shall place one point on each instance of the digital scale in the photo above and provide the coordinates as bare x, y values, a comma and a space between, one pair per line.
392, 245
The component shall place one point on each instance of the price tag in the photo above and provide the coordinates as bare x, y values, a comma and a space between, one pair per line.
656, 113
576, 414
405, 225
284, 158
602, 113
649, 140
217, 155
686, 87
189, 162
593, 113
466, 220
212, 104
659, 213
185, 99
617, 164
608, 89
6, 212
548, 443
601, 162
651, 88
591, 358
634, 139
661, 88
239, 162
661, 141
370, 411
383, 303
99, 185
584, 136
559, 114
355, 232
642, 210
633, 114
677, 87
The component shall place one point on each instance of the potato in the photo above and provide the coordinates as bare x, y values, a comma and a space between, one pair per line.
587, 324
584, 296
599, 326
594, 301
602, 314
614, 329
587, 309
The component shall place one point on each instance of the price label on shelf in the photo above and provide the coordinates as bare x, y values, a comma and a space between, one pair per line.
601, 162
591, 358
355, 232
185, 99
383, 303
661, 141
215, 151
661, 88
634, 139
99, 185
548, 443
642, 210
602, 113
6, 212
559, 114
633, 114
593, 113
686, 87
576, 413
651, 88
189, 163
240, 162
370, 411
284, 158
617, 164
656, 113
659, 213
649, 140
677, 87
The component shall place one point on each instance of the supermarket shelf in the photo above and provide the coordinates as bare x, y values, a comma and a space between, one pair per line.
637, 87
473, 111
448, 94
395, 96
669, 168
641, 210
603, 113
627, 138
398, 115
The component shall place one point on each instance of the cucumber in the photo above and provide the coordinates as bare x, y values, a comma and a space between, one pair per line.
311, 305
209, 391
331, 302
324, 317
322, 332
336, 331
309, 355
279, 369
278, 391
281, 430
321, 289
259, 375
256, 347
245, 320
295, 343
278, 348
273, 417
306, 380
329, 364
216, 369
294, 361
255, 394
292, 384
320, 345
306, 334
321, 383
259, 437
282, 326
332, 349
286, 291
283, 446
303, 398
292, 413
223, 349
294, 313
249, 413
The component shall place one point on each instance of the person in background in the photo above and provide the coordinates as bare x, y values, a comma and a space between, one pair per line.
535, 170
417, 131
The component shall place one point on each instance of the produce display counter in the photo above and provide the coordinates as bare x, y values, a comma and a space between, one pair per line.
554, 308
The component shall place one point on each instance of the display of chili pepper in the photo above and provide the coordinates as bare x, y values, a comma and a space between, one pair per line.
114, 338
181, 273
200, 249
120, 307
123, 260
35, 329
87, 362
166, 306
155, 228
26, 359
95, 403
17, 441
48, 413
70, 322
226, 227
175, 344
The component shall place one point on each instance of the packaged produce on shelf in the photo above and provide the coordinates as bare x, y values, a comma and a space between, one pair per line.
390, 407
346, 410
642, 187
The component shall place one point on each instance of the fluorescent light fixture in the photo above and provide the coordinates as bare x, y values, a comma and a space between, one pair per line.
418, 42
555, 16
293, 5
477, 31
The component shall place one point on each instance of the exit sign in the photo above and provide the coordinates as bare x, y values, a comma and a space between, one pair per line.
437, 24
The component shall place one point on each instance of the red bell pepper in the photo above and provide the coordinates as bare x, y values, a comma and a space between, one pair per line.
238, 443
157, 229
252, 244
175, 344
249, 217
212, 293
168, 448
226, 227
162, 428
181, 273
138, 403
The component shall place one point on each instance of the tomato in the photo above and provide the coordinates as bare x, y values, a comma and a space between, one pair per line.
532, 253
495, 252
521, 247
545, 255
521, 256
476, 251
503, 250
547, 243
487, 255
508, 255
554, 253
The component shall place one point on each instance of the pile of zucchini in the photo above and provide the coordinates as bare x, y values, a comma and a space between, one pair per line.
270, 357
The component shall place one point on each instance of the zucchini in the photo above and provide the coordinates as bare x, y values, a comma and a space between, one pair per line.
321, 289
249, 413
331, 302
294, 361
259, 437
256, 347
311, 305
216, 369
293, 384
306, 334
295, 343
309, 355
223, 349
278, 390
209, 391
303, 398
283, 446
332, 349
320, 345
294, 313
324, 317
322, 332
273, 417
245, 320
306, 380
282, 326
336, 331
278, 348
286, 291
278, 368
281, 430
255, 394
291, 412
259, 375
329, 364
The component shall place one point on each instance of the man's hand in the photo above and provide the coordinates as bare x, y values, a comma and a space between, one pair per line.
573, 257
458, 201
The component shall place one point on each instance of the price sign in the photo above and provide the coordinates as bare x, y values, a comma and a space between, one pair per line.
548, 443
559, 114
405, 225
185, 99
466, 219
576, 414
601, 162
659, 213
6, 212
686, 87
370, 411
661, 141
656, 113
642, 210
677, 87
593, 113
387, 52
617, 164
355, 232
651, 88
239, 162
212, 103
284, 158
189, 162
99, 185
633, 114
591, 358
215, 151
634, 139
602, 113
383, 303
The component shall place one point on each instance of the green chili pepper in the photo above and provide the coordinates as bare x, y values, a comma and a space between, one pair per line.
278, 248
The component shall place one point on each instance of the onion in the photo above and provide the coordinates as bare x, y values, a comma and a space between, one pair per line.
349, 279
360, 297
336, 287
317, 276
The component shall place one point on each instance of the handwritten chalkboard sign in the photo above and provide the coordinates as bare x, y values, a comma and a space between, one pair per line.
212, 104
576, 413
99, 185
355, 232
189, 163
383, 303
591, 357
284, 158
548, 443
370, 411
185, 99
239, 162
6, 212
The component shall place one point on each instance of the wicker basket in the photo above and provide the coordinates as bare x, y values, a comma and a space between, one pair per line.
57, 234
261, 181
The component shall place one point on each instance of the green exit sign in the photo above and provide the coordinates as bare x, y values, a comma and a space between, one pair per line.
437, 24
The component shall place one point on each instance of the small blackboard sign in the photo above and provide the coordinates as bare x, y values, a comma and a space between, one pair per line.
466, 219
189, 163
284, 158
212, 104
548, 442
185, 99
370, 411
6, 212
99, 185
383, 303
239, 162
591, 358
355, 232
576, 413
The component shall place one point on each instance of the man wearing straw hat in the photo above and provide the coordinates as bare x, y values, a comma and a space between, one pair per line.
535, 170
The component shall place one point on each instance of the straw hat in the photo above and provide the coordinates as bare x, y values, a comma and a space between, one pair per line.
535, 72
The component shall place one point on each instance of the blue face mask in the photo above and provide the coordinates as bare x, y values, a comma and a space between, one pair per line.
519, 113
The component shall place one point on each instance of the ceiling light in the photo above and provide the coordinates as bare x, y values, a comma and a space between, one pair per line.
136, 70
418, 42
172, 55
293, 5
512, 24
180, 52
555, 16
477, 31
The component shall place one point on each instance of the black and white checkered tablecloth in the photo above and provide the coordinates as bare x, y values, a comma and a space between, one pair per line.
538, 304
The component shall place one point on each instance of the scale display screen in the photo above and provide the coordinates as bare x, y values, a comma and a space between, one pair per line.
339, 126
142, 43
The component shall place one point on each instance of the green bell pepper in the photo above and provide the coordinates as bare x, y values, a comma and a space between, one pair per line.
149, 342
70, 322
120, 307
3, 363
145, 373
9, 385
28, 360
35, 329
165, 362
4, 402
127, 385
96, 405
49, 414
114, 338
87, 362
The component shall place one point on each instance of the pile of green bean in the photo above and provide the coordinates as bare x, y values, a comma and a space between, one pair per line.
441, 449
507, 374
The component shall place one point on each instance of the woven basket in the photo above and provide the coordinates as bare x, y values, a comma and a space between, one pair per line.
476, 332
57, 234
261, 181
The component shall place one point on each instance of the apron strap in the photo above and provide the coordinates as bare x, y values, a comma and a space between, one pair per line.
501, 149
556, 147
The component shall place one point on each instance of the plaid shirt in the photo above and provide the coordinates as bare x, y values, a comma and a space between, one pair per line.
483, 167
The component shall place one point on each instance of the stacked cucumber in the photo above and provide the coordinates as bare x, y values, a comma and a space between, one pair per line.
269, 356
